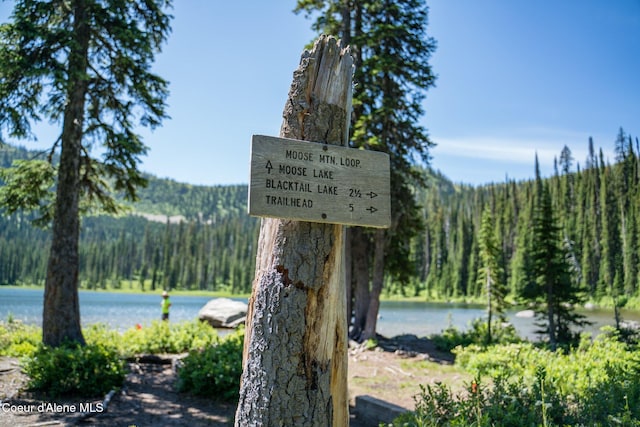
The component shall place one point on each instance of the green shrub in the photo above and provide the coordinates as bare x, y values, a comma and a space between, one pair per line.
165, 337
452, 337
100, 334
507, 404
510, 360
18, 339
596, 384
87, 371
188, 336
215, 370
98, 367
574, 372
370, 344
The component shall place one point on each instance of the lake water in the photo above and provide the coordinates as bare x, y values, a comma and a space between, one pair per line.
122, 311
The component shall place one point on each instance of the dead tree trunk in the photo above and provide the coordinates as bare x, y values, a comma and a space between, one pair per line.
376, 286
295, 354
361, 292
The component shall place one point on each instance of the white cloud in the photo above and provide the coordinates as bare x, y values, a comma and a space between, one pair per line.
518, 149
493, 156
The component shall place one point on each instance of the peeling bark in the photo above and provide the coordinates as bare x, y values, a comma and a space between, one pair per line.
295, 354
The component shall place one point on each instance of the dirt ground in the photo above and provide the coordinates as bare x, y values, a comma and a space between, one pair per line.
391, 372
394, 370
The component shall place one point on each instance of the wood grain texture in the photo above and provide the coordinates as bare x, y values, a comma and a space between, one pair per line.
295, 355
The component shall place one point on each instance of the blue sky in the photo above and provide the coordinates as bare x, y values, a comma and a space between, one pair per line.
514, 78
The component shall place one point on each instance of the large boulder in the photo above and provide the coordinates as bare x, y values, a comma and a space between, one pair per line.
526, 314
224, 313
630, 325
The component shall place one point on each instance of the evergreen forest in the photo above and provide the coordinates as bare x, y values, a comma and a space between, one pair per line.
188, 237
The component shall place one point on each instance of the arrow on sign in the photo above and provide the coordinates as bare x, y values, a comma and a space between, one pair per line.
371, 194
371, 209
269, 166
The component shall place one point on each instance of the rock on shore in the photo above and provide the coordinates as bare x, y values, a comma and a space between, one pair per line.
224, 313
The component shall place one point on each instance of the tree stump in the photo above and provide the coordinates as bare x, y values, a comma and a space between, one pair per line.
295, 353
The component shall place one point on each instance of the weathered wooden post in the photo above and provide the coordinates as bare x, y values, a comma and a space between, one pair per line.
295, 354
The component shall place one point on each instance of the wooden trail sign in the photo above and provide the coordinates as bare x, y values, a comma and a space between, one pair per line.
315, 182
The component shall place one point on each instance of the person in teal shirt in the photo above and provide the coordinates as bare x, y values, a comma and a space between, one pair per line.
165, 304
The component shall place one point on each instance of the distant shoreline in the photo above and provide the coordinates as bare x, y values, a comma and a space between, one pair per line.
633, 305
175, 292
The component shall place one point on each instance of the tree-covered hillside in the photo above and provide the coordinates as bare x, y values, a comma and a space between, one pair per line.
210, 241
177, 236
596, 206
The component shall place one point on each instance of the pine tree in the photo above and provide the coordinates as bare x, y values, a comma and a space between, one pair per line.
554, 294
611, 272
591, 220
522, 274
490, 273
85, 65
391, 51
